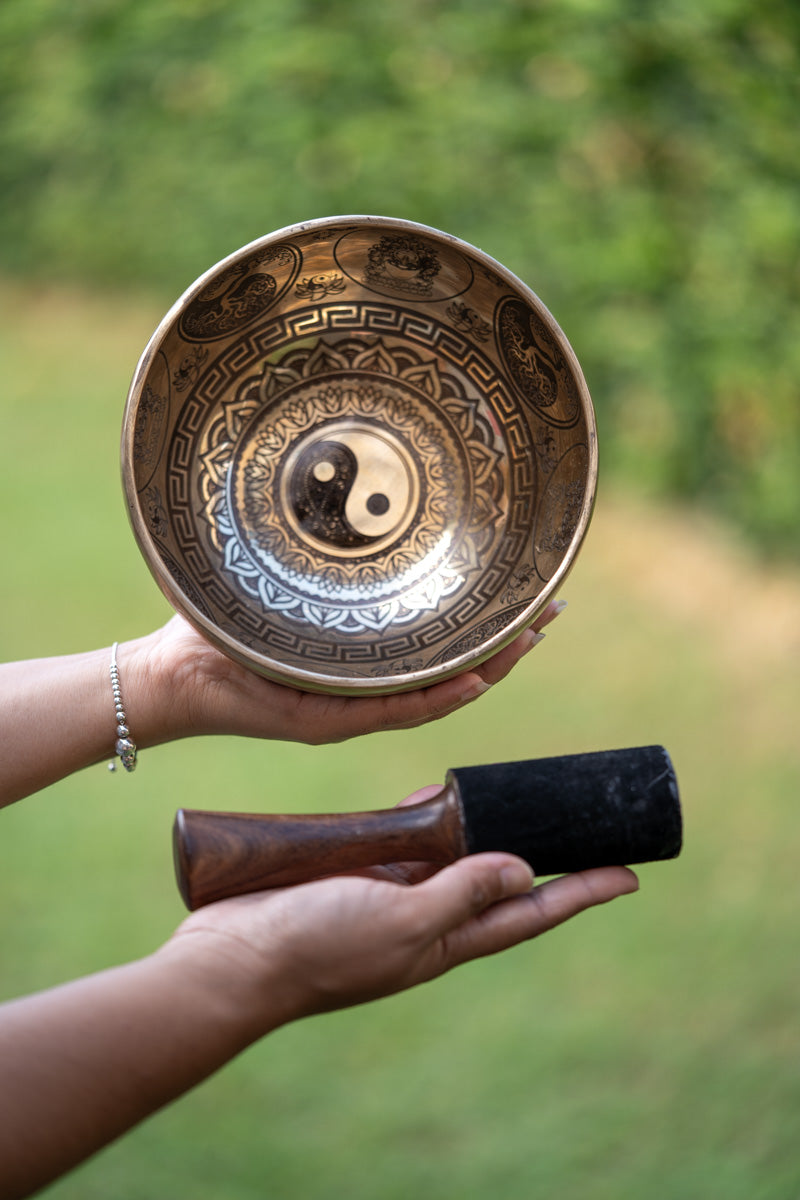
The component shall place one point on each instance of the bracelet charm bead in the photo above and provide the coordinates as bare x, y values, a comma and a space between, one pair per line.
125, 745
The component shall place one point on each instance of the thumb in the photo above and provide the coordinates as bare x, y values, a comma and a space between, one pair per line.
468, 886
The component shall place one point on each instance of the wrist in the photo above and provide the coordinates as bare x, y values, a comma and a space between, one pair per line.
240, 994
153, 691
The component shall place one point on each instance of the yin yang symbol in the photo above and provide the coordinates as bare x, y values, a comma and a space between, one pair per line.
350, 488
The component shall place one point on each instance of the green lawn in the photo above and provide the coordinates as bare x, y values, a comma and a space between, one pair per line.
650, 1049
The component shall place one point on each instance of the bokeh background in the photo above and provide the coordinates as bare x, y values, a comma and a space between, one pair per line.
638, 165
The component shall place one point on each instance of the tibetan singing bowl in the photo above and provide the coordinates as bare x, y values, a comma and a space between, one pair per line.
359, 455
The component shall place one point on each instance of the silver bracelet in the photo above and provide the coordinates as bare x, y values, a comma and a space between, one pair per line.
125, 746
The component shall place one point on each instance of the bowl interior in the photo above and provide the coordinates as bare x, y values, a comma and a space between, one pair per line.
359, 455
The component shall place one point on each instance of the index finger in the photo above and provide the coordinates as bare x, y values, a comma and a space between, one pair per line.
543, 908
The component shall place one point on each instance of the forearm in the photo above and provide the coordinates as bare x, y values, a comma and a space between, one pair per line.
57, 714
83, 1063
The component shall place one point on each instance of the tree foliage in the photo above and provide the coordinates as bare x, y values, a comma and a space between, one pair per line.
636, 163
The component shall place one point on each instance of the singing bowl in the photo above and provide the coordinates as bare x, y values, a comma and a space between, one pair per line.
359, 455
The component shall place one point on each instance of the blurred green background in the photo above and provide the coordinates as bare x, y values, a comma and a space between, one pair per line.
636, 162
638, 166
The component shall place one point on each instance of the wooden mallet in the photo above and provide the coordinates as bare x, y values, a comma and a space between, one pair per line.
611, 808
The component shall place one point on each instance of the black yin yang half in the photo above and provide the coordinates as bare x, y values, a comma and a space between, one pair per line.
351, 489
321, 482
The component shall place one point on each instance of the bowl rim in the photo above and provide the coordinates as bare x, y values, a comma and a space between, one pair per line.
299, 678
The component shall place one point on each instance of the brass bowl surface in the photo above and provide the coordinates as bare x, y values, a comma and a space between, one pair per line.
359, 455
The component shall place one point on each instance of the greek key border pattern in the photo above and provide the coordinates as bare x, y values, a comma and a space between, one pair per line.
248, 352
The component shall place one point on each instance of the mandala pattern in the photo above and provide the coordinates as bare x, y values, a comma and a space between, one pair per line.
341, 556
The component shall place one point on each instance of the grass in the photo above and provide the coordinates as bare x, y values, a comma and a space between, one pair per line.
648, 1049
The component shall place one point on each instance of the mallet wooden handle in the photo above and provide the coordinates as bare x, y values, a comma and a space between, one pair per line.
560, 814
220, 854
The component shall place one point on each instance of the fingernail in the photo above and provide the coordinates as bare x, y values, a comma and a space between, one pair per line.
529, 639
477, 689
516, 878
552, 611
